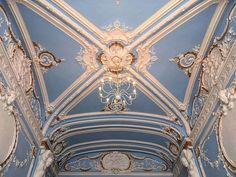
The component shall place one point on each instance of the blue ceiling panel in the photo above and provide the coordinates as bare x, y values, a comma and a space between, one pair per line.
61, 45
177, 42
129, 12
92, 103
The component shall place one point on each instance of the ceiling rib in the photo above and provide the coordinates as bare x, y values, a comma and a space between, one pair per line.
72, 23
81, 19
29, 45
175, 24
204, 46
161, 24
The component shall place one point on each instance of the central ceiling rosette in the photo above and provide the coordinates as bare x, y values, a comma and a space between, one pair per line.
117, 88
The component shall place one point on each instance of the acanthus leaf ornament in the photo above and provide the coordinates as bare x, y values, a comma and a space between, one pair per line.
20, 63
87, 58
117, 32
215, 59
146, 57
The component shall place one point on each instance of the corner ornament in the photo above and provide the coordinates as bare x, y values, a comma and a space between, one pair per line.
187, 160
45, 160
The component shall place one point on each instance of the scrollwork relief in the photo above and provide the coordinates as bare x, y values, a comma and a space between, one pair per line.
21, 64
117, 32
45, 59
7, 96
187, 60
217, 55
115, 163
212, 66
116, 25
16, 67
45, 160
187, 160
87, 58
146, 57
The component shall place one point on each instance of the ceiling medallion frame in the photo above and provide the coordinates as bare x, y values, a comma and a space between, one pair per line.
117, 87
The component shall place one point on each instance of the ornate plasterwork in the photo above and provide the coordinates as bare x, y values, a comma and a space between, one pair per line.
116, 58
214, 60
87, 58
186, 61
45, 59
146, 57
20, 63
188, 161
15, 67
212, 67
115, 163
45, 160
116, 25
228, 97
7, 96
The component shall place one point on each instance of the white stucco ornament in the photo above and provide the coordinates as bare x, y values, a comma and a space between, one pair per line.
188, 162
45, 160
228, 96
7, 96
116, 161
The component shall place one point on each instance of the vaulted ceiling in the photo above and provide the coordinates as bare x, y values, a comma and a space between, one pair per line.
169, 40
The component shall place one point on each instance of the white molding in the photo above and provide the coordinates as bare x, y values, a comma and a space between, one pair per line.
51, 8
177, 22
103, 35
162, 174
203, 48
8, 72
162, 98
226, 71
122, 113
164, 90
48, 105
